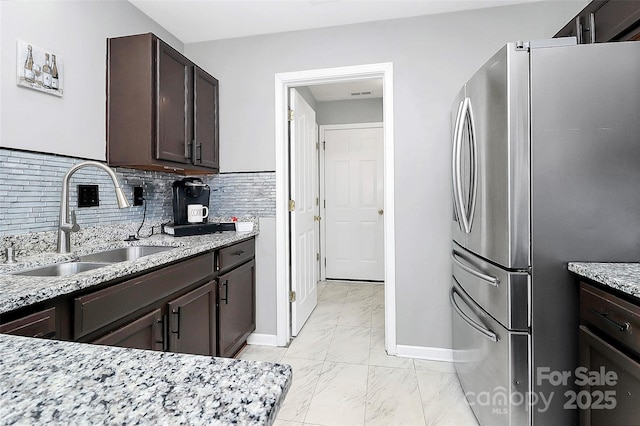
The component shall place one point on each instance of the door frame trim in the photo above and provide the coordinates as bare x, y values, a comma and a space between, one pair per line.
284, 81
323, 223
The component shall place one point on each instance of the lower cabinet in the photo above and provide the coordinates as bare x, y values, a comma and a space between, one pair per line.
143, 333
186, 324
192, 322
610, 354
203, 305
236, 308
39, 324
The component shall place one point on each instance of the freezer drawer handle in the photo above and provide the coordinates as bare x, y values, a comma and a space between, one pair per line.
484, 331
494, 281
620, 326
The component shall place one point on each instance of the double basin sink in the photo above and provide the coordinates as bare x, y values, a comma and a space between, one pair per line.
91, 261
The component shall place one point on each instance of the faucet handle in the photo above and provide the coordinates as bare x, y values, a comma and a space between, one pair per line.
74, 223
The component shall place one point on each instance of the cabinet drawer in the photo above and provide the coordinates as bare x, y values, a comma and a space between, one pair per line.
615, 317
103, 307
39, 324
230, 257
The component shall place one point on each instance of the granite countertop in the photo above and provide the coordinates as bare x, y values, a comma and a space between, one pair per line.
624, 277
17, 291
53, 382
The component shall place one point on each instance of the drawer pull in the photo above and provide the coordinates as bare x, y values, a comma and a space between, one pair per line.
239, 253
226, 292
491, 280
619, 326
162, 321
482, 330
177, 312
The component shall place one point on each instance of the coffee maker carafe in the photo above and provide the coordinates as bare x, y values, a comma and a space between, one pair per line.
189, 190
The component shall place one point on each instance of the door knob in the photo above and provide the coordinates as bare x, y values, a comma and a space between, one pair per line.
380, 212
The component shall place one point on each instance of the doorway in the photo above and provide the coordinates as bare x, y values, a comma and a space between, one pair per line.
283, 82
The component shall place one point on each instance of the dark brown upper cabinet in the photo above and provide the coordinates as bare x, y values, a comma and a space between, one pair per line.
605, 21
162, 109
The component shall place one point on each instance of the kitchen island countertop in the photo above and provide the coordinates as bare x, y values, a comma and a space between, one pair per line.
53, 382
624, 277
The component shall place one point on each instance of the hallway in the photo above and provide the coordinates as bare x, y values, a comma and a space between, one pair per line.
342, 375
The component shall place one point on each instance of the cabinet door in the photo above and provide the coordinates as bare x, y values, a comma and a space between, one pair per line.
192, 322
236, 308
610, 395
39, 324
173, 105
144, 333
205, 121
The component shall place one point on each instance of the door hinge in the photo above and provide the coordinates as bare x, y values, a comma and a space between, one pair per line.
292, 206
290, 114
318, 145
317, 201
292, 296
324, 145
318, 257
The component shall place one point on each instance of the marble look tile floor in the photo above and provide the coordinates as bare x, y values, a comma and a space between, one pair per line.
343, 376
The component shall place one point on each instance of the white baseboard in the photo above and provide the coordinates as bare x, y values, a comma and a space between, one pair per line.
421, 352
262, 339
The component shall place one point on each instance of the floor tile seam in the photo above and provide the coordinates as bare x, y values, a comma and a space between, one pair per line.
415, 372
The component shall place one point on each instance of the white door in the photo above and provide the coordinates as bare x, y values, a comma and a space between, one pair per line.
304, 191
353, 193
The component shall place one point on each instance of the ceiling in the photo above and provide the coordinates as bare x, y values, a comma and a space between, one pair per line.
194, 21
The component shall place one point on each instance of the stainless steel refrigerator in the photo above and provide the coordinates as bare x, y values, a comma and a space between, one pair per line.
546, 170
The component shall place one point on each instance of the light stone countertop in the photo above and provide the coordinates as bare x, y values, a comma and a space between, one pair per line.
624, 277
52, 382
17, 291
57, 382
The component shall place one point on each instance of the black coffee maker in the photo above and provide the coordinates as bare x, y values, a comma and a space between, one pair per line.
189, 190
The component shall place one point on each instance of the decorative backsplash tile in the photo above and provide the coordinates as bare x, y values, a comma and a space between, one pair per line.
30, 186
244, 194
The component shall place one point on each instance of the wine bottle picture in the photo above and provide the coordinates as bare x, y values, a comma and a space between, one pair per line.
39, 69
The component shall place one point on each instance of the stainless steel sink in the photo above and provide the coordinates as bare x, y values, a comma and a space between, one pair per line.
123, 254
62, 269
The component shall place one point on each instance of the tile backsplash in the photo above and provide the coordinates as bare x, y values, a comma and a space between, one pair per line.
30, 185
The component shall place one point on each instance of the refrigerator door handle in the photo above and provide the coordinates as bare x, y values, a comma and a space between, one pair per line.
482, 330
467, 209
457, 171
455, 166
473, 191
494, 281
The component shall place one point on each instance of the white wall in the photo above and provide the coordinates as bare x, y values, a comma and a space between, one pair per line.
432, 57
73, 125
350, 111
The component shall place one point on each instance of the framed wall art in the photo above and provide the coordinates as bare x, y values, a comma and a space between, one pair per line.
39, 69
